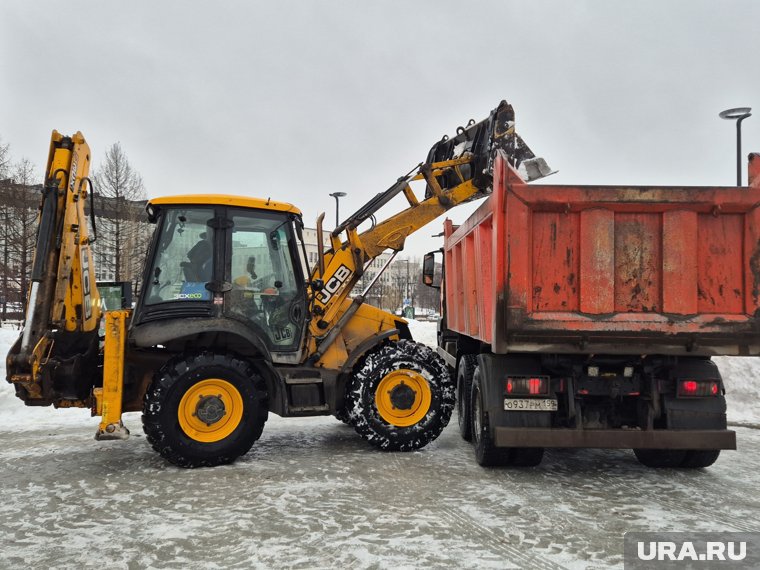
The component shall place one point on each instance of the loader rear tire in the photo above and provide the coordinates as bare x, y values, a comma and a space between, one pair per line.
465, 370
401, 396
204, 409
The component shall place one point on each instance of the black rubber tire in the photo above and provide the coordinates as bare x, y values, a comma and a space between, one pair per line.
486, 453
369, 372
698, 458
527, 456
160, 411
661, 458
343, 415
465, 370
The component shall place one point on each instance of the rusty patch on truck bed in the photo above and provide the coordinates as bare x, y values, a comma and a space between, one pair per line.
638, 262
754, 267
555, 261
720, 277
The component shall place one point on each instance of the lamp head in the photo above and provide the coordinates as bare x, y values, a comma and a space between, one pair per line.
735, 113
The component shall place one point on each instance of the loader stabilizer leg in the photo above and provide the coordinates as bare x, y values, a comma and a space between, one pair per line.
108, 398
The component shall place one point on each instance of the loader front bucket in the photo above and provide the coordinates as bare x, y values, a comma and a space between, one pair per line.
482, 140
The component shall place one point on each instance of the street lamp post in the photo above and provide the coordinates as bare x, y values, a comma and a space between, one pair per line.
337, 196
738, 114
408, 292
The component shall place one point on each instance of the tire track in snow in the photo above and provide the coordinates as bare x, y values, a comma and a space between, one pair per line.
496, 541
650, 485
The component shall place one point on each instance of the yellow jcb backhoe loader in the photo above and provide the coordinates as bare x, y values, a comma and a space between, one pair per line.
231, 324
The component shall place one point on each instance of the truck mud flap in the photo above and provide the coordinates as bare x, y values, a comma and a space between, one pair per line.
615, 439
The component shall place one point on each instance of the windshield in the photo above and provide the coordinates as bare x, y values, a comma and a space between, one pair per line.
184, 260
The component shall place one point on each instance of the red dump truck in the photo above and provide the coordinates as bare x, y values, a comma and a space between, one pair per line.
586, 316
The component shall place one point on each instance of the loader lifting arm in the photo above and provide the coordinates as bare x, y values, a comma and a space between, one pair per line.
457, 170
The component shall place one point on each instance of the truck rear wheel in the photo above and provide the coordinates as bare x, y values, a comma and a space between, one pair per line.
486, 453
401, 396
685, 458
527, 456
204, 409
465, 370
660, 457
697, 458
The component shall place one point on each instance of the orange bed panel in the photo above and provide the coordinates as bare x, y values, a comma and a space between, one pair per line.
669, 270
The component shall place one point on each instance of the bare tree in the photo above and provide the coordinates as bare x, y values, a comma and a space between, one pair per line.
23, 227
5, 234
121, 237
5, 159
20, 199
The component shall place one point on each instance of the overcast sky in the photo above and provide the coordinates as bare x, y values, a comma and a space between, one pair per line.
294, 100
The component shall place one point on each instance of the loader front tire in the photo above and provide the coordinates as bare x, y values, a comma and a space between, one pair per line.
204, 409
401, 396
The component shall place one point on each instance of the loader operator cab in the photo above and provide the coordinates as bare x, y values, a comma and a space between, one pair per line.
231, 259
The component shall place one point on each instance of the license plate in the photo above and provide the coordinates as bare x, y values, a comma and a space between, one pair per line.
530, 405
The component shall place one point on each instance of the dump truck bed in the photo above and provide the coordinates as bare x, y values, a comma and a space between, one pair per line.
608, 269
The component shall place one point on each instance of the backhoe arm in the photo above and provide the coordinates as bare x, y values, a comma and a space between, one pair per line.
63, 306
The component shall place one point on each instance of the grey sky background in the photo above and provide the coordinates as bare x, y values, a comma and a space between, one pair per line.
294, 100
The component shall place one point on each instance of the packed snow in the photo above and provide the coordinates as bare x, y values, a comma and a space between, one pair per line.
741, 376
312, 494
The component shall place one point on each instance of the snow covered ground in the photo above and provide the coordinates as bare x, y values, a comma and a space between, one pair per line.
311, 494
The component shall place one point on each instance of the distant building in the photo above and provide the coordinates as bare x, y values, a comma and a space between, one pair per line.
19, 205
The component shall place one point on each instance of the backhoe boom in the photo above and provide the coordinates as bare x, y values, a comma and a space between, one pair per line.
63, 306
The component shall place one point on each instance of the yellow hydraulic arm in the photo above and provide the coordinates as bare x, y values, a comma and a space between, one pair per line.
457, 170
344, 265
57, 358
63, 307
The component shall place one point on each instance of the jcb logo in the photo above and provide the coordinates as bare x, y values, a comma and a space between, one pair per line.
74, 164
334, 283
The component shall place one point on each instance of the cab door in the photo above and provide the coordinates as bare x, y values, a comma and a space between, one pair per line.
268, 290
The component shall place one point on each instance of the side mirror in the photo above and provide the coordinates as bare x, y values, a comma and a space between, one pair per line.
116, 294
428, 271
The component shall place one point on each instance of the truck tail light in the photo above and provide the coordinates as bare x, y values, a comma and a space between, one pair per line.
697, 388
528, 386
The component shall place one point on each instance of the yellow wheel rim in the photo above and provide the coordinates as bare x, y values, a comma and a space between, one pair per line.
403, 398
210, 410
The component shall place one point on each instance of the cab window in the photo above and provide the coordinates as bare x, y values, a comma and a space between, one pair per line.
266, 289
184, 258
